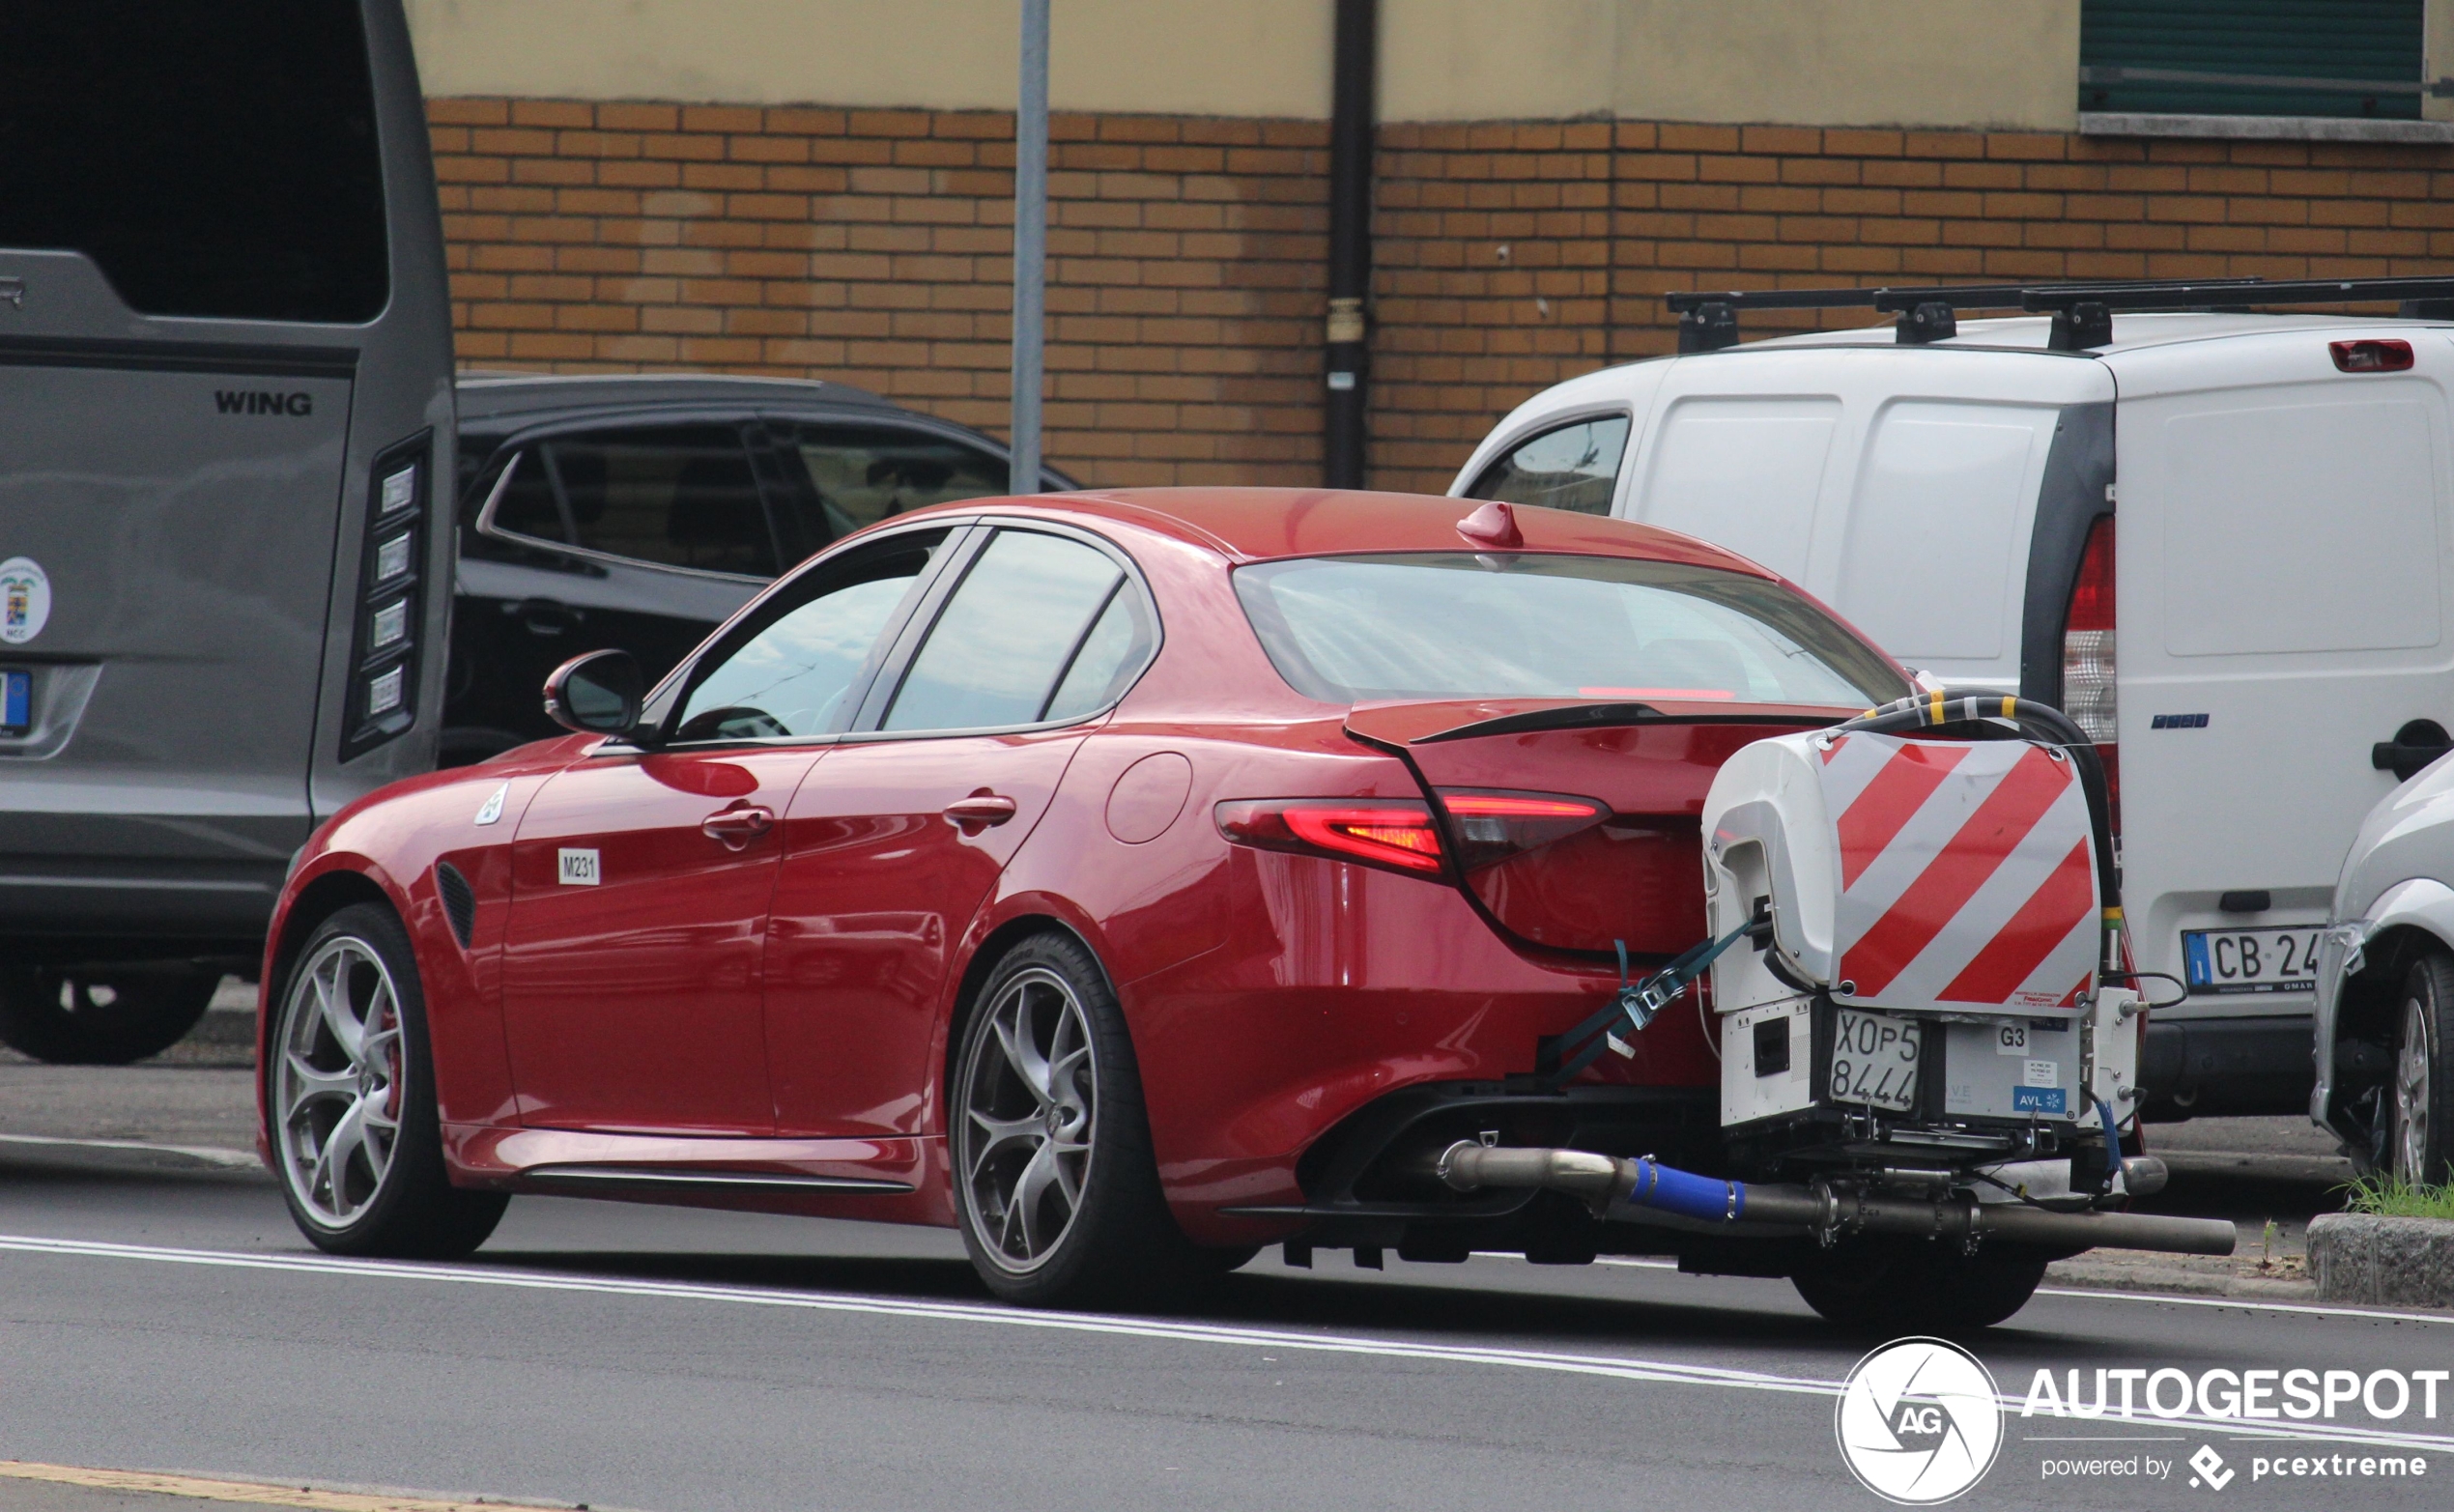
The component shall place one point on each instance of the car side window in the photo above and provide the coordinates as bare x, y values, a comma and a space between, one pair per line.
859, 475
1003, 648
525, 501
676, 496
797, 671
1568, 467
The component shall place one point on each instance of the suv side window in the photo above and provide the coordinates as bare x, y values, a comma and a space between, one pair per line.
859, 475
800, 672
1032, 609
675, 496
1569, 467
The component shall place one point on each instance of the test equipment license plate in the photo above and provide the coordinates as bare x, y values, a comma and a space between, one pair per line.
16, 702
1874, 1060
2252, 960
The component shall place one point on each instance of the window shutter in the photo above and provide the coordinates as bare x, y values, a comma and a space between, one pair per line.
2318, 52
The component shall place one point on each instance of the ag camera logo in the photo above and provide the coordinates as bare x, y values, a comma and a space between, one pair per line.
1919, 1421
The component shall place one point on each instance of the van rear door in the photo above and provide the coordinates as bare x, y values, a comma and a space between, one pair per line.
2283, 582
225, 395
1898, 484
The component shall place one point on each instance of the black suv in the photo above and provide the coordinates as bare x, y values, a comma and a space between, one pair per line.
637, 512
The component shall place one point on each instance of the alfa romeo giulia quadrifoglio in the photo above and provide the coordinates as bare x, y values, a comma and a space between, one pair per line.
1127, 879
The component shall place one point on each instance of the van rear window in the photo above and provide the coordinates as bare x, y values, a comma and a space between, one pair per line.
1450, 625
213, 159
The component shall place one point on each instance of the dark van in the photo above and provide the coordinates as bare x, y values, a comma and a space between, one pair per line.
225, 437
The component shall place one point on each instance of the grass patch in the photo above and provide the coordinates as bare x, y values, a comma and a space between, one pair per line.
2392, 1197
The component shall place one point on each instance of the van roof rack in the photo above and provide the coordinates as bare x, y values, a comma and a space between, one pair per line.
2082, 312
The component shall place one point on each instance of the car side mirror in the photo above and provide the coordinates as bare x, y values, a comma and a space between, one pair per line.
598, 693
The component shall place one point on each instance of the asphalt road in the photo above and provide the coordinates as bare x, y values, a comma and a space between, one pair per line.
159, 1314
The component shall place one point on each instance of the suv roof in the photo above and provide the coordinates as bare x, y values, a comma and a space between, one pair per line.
490, 396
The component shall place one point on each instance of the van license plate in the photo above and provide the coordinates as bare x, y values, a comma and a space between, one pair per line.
2219, 962
16, 702
1874, 1060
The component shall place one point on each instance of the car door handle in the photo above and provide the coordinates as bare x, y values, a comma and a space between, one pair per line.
980, 810
737, 827
546, 616
2415, 746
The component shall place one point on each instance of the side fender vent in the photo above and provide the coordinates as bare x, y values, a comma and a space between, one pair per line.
459, 900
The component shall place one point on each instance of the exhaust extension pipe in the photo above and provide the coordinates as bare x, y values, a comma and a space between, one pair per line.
1617, 1187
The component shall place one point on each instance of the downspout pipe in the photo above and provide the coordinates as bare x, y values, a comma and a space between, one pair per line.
1348, 334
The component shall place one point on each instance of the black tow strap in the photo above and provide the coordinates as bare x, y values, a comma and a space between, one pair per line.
1637, 1002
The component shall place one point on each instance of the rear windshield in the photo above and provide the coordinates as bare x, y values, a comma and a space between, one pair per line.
1455, 625
212, 159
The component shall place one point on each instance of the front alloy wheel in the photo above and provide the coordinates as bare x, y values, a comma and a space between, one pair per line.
337, 1086
350, 1100
2420, 1111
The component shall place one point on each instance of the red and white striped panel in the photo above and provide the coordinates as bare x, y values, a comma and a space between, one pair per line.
1967, 874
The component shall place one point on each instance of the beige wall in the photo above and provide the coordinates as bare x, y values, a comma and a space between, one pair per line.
1965, 63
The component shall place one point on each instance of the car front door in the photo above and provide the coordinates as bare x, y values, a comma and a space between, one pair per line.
634, 968
897, 839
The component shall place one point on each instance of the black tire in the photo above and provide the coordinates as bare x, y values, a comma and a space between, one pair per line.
404, 1205
1116, 1243
101, 1015
2419, 1094
1917, 1286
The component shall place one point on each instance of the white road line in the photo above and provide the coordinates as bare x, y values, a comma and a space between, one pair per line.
228, 1159
2247, 1303
1607, 1366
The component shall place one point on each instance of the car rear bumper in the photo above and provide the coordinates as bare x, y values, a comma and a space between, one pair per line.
1368, 1182
2203, 1068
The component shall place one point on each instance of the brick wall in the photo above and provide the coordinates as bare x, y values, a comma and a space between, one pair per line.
875, 247
1184, 253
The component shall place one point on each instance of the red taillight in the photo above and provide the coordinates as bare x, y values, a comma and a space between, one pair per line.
1378, 831
2089, 685
2371, 356
1493, 826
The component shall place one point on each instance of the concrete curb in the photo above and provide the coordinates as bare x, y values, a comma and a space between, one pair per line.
2359, 1258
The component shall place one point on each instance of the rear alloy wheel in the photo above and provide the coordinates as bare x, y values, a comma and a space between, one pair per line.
1056, 1190
101, 1015
354, 1127
2420, 1097
1917, 1286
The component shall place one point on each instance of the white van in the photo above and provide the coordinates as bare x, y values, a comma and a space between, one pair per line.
2277, 576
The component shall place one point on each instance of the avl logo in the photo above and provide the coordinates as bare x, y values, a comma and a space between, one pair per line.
258, 401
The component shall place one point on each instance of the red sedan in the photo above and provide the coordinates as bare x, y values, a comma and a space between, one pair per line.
1129, 879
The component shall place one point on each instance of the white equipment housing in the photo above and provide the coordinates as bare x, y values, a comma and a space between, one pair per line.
1936, 931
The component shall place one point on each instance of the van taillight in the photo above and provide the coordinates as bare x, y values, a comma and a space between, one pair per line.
2371, 356
2090, 692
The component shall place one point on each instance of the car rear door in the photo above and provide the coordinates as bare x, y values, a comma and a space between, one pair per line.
897, 839
2285, 565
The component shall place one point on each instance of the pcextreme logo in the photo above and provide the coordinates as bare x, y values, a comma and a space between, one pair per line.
1919, 1421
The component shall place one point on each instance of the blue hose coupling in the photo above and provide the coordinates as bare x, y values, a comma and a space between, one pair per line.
1668, 1190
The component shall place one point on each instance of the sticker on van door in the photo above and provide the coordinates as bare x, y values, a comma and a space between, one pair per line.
25, 599
579, 869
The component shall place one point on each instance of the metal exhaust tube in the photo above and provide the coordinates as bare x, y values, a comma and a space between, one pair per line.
1619, 1186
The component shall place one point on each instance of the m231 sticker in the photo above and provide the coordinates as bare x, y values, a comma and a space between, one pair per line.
578, 868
